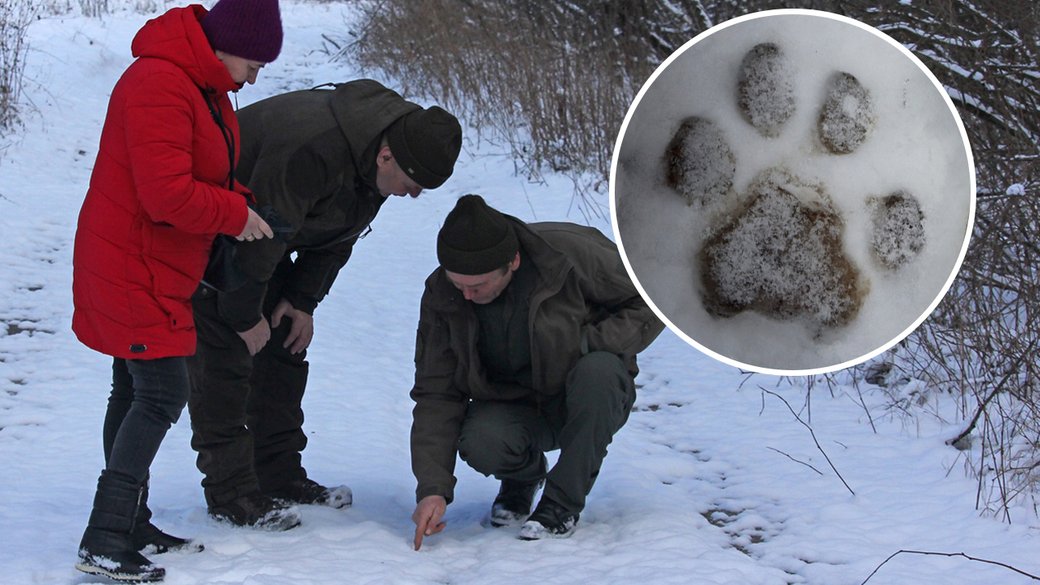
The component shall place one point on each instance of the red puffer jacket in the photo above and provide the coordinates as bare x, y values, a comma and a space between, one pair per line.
158, 195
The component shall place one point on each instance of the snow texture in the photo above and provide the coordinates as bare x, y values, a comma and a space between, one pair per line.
899, 234
765, 90
847, 115
782, 256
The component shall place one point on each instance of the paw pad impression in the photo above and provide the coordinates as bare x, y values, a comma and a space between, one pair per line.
898, 234
782, 256
700, 163
847, 115
765, 91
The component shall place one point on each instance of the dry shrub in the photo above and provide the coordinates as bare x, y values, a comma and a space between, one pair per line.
551, 80
15, 17
981, 343
94, 8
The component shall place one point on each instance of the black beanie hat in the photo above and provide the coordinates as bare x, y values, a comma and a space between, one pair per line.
475, 239
426, 144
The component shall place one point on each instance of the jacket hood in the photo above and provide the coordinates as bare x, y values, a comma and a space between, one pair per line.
177, 36
364, 109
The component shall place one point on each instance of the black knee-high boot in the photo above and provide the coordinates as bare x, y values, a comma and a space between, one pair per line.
147, 535
107, 547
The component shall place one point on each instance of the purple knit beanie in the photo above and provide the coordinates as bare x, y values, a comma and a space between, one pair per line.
250, 29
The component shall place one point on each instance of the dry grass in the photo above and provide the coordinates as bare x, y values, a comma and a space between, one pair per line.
15, 17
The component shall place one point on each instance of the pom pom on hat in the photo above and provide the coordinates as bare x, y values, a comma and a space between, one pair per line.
475, 238
426, 144
250, 29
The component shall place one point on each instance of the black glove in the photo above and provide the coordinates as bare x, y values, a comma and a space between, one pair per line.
282, 229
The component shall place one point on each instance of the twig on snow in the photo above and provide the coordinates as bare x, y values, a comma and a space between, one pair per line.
815, 440
809, 465
945, 554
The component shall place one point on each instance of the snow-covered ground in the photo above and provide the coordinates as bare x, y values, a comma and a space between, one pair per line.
713, 480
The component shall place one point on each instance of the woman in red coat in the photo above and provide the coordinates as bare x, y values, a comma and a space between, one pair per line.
162, 188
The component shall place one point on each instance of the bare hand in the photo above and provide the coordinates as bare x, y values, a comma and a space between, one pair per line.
427, 517
302, 330
256, 228
257, 337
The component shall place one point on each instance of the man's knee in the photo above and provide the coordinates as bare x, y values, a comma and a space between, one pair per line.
482, 448
596, 377
491, 440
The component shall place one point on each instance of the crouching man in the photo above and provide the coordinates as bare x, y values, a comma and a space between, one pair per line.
527, 343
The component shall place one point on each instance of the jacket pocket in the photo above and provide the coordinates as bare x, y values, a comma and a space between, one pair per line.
175, 260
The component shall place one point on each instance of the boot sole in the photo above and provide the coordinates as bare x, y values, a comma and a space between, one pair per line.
281, 525
188, 547
121, 577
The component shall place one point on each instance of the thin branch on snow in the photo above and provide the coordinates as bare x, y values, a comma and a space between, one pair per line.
813, 433
810, 466
943, 554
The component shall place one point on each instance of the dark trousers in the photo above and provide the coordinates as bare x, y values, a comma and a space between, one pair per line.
147, 398
246, 413
508, 439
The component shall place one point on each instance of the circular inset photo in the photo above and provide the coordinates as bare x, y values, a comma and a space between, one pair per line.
792, 192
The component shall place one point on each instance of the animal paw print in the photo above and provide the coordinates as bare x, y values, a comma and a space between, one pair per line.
779, 249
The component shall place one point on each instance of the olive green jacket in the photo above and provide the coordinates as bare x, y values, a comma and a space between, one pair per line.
311, 156
583, 301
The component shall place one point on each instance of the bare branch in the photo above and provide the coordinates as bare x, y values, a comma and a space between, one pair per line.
813, 433
810, 466
944, 554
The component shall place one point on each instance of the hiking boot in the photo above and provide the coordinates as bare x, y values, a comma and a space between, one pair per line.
107, 546
257, 511
307, 491
549, 520
148, 538
513, 503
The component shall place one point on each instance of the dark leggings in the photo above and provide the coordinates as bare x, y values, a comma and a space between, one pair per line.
147, 397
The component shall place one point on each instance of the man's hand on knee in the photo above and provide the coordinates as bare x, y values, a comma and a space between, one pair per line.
257, 337
302, 330
427, 517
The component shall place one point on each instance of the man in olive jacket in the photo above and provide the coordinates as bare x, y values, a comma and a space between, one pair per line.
527, 343
324, 160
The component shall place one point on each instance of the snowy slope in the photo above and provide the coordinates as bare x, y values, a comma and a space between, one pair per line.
713, 480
